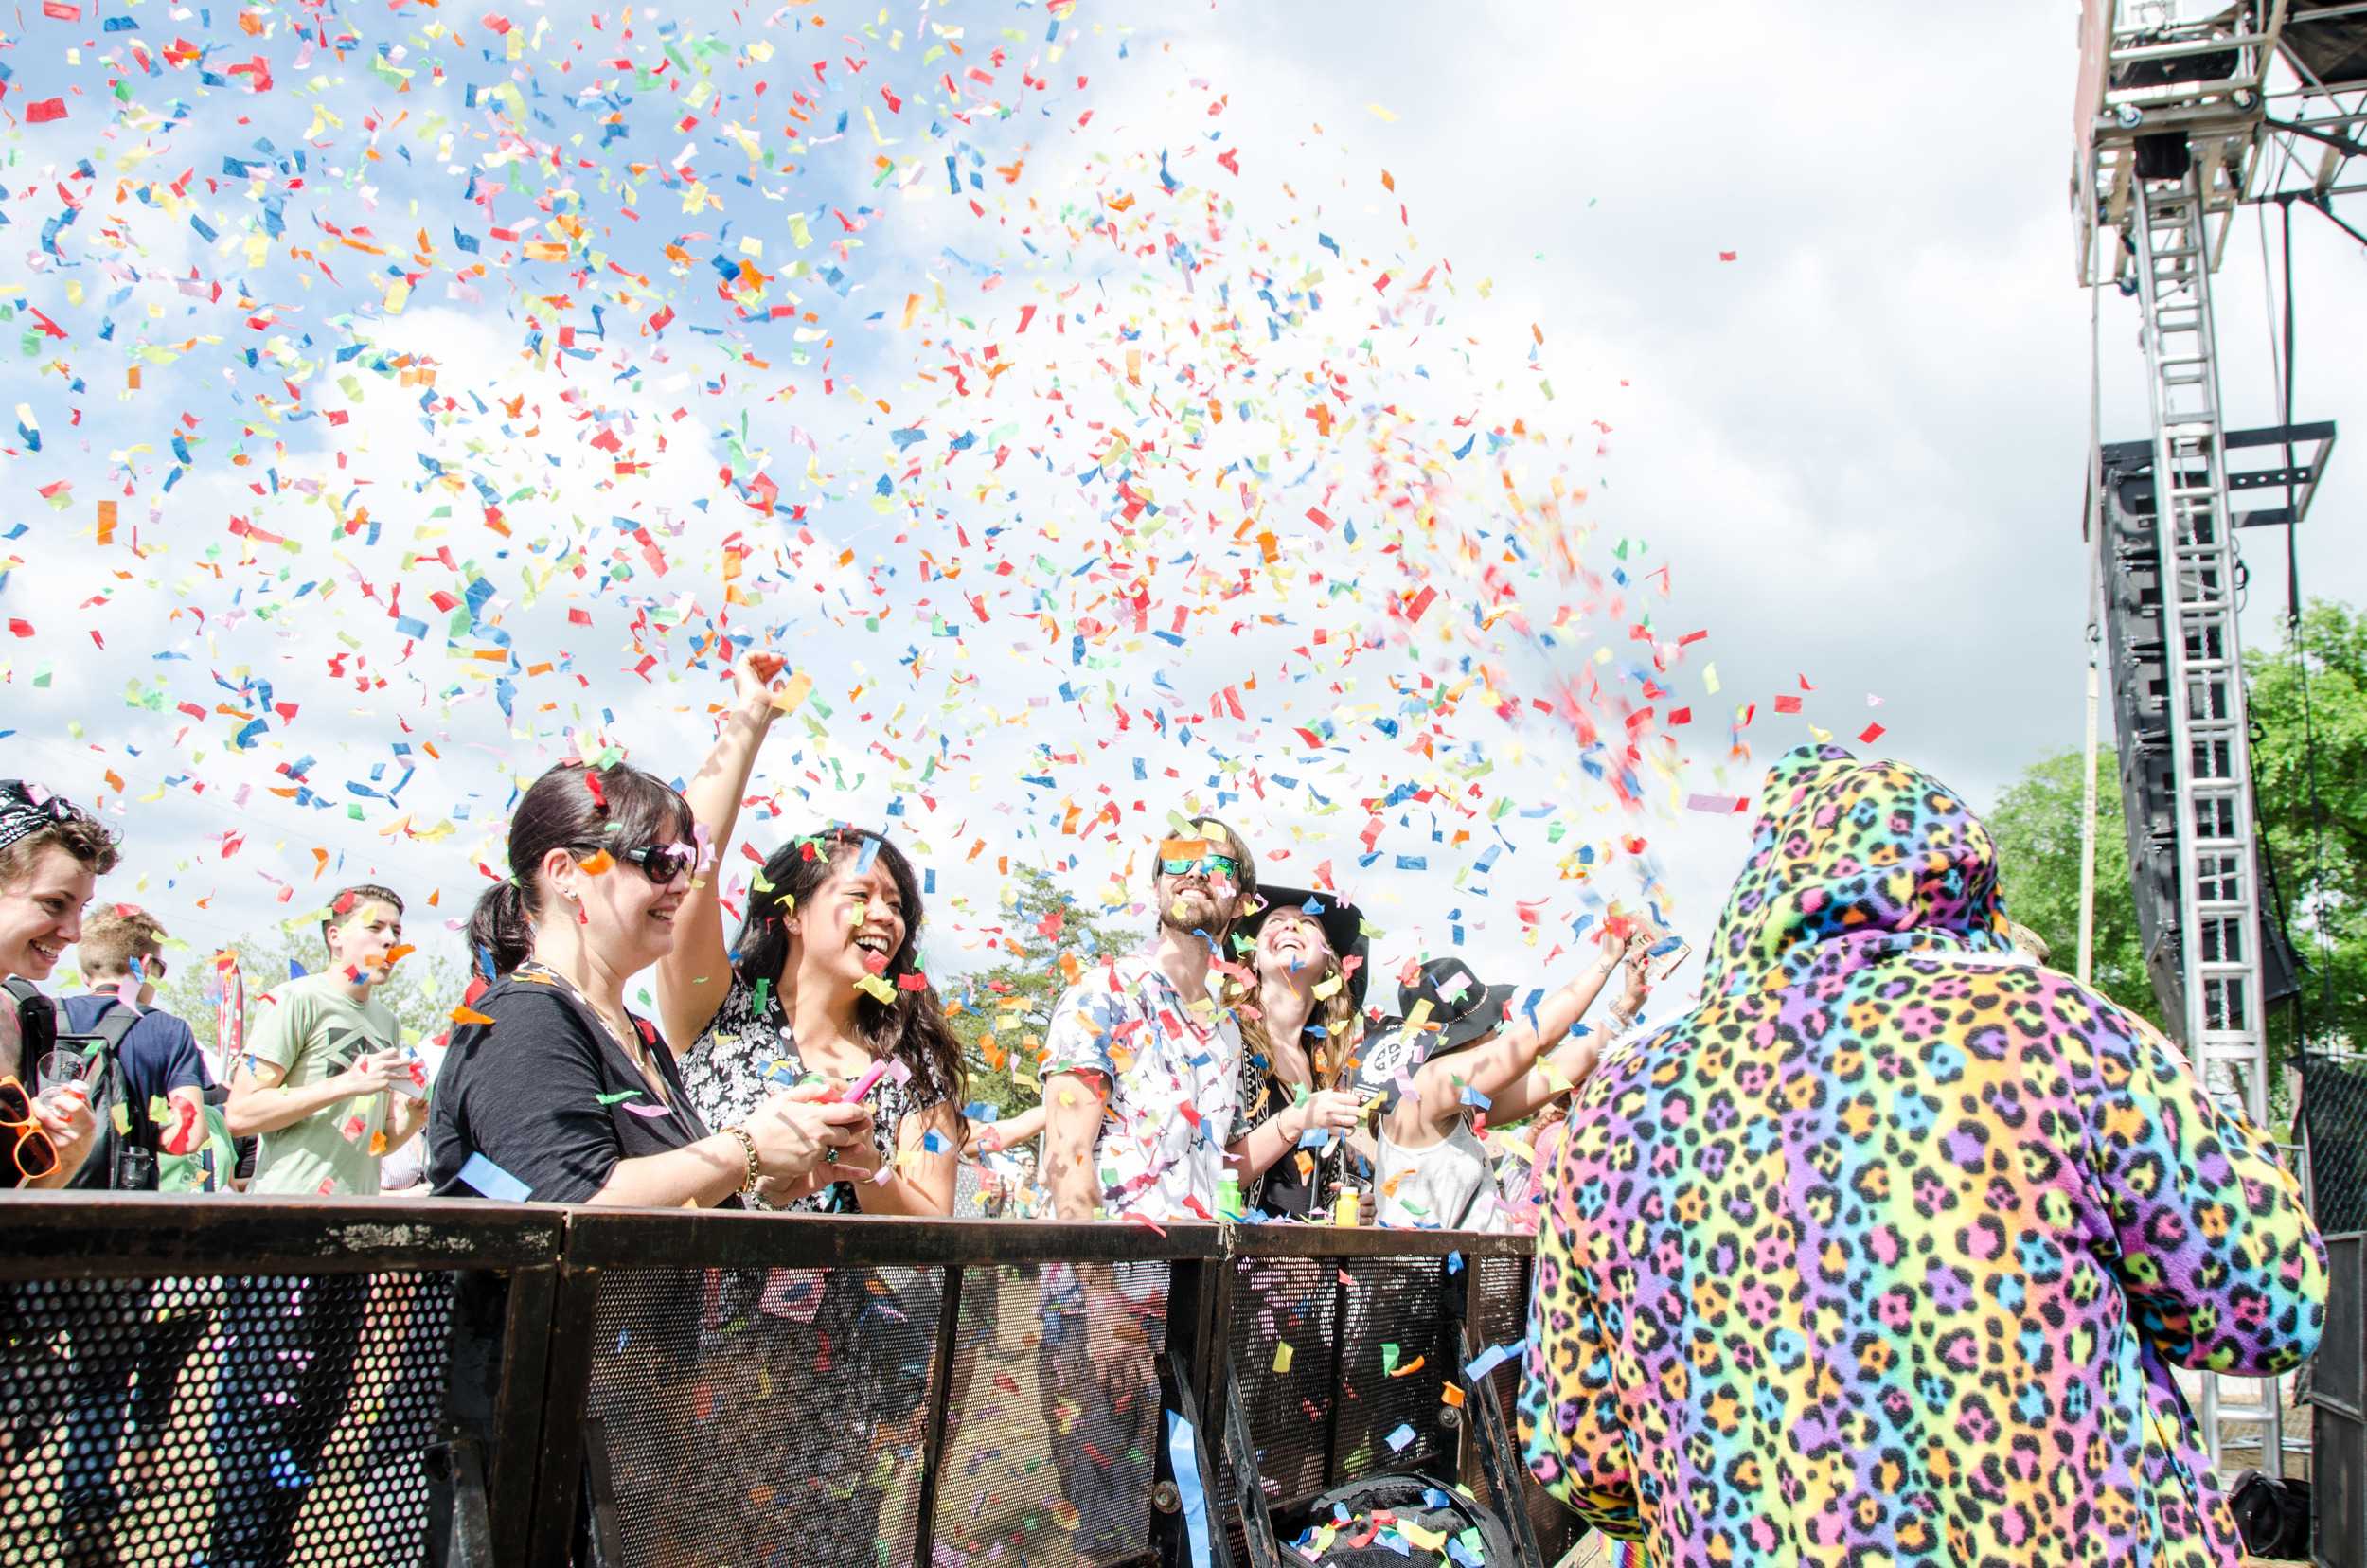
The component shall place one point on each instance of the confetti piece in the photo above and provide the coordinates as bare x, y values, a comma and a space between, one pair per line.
466, 1014
490, 1180
1403, 1437
1282, 1354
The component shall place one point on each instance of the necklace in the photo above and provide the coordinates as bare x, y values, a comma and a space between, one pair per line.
628, 1040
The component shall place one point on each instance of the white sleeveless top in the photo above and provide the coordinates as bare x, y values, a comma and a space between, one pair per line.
1450, 1185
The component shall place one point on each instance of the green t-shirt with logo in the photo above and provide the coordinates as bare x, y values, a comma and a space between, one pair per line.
312, 1029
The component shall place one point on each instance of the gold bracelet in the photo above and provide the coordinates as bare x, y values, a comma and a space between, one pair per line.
748, 1146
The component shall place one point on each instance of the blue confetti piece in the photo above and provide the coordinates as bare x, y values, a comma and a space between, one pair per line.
492, 1181
1400, 1438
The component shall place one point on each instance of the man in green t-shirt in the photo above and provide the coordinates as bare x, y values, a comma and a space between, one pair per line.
319, 1083
317, 1080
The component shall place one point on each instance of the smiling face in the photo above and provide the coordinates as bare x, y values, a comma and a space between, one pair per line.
1290, 946
1204, 884
850, 926
626, 918
41, 912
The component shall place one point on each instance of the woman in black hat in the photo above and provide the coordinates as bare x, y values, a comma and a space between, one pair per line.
1462, 1047
1300, 1027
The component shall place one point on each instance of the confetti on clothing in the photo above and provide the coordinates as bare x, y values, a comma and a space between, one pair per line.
1173, 1077
1886, 1251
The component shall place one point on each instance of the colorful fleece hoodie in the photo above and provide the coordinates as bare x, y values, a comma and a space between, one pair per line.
1884, 1252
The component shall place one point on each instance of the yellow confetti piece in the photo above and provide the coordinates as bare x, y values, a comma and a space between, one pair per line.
1418, 1018
793, 693
1428, 1540
1709, 678
1384, 115
1282, 1354
871, 985
122, 1120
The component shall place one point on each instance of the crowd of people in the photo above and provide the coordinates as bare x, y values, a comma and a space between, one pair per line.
1884, 1247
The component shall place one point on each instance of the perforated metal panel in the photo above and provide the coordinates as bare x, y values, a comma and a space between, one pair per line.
262, 1419
768, 1418
1053, 1458
1395, 1301
1283, 1302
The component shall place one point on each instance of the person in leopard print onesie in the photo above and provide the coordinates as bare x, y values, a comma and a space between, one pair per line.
1885, 1253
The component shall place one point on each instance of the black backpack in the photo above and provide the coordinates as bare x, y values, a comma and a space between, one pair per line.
122, 1164
37, 1036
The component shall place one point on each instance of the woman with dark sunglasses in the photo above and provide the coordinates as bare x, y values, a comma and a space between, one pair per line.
551, 1089
823, 982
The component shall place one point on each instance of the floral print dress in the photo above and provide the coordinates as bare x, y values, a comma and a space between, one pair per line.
1886, 1252
748, 1054
858, 1340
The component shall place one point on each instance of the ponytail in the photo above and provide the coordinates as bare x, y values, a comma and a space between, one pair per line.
501, 929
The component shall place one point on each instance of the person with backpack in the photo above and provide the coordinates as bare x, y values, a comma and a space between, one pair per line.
148, 1060
148, 1090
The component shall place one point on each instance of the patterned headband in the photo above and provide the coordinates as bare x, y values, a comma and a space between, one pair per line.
26, 809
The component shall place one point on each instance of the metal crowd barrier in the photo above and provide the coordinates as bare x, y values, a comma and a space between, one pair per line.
2338, 1394
470, 1384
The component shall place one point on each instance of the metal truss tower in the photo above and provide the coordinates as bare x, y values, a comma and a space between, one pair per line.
2186, 110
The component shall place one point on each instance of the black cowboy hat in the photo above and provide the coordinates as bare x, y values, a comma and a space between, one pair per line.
1342, 927
1462, 1006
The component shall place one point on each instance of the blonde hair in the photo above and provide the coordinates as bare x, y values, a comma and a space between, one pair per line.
117, 935
1344, 1025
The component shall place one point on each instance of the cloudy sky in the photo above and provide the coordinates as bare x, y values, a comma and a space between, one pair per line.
1856, 447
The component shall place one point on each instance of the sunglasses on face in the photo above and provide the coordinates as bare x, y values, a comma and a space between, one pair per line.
1212, 866
35, 1155
661, 863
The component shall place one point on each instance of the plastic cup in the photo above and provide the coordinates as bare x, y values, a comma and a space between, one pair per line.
59, 1074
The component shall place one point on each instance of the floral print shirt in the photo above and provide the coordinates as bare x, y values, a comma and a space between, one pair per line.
1886, 1252
1173, 1075
748, 1054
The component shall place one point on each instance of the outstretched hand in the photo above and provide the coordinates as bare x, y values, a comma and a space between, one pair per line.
752, 674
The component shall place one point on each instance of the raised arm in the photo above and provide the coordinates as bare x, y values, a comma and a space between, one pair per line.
693, 979
1496, 1069
1567, 1064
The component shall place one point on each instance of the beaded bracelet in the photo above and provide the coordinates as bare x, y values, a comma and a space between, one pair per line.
748, 1146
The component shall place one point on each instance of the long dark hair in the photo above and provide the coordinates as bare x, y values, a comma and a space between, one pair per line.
571, 806
912, 1029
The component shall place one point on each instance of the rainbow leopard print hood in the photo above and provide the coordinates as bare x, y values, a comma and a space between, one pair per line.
1887, 1250
1874, 855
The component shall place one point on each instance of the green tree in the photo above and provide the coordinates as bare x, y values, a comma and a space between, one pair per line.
2316, 836
2037, 825
1003, 1010
2318, 846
